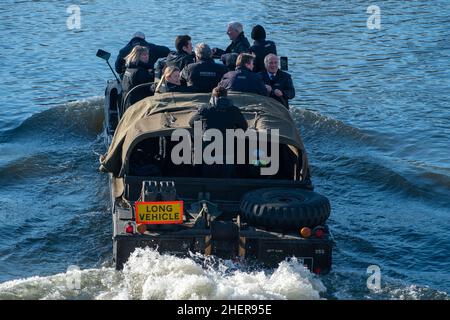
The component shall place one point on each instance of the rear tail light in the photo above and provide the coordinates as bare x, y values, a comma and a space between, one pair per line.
319, 232
305, 232
317, 270
141, 228
129, 228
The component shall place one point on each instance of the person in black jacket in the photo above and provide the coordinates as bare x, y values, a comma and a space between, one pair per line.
230, 60
239, 43
261, 47
220, 114
279, 81
155, 53
135, 74
243, 79
183, 56
205, 74
170, 81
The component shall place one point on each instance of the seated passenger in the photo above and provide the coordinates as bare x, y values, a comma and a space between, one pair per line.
142, 163
183, 56
170, 81
230, 60
243, 79
155, 52
135, 74
239, 43
220, 114
280, 81
205, 74
261, 47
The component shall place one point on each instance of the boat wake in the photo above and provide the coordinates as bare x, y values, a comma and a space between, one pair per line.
82, 117
151, 275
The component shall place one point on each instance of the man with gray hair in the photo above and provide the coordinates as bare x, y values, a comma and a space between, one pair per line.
239, 43
280, 82
205, 74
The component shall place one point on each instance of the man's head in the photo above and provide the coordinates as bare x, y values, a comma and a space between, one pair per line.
271, 63
203, 51
229, 59
258, 33
245, 60
234, 30
219, 92
139, 34
183, 43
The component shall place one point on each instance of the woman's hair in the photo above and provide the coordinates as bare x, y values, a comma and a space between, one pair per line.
135, 55
169, 70
166, 74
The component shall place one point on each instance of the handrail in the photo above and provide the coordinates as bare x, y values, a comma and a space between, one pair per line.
125, 100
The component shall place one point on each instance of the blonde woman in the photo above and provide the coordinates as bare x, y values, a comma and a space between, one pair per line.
138, 39
137, 72
170, 81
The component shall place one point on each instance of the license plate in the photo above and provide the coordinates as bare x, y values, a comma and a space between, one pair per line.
159, 212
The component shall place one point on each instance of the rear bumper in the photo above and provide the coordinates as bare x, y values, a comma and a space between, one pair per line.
316, 254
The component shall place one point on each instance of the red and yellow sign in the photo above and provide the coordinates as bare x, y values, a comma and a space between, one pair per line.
159, 212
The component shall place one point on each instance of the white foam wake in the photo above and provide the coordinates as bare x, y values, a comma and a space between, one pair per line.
151, 275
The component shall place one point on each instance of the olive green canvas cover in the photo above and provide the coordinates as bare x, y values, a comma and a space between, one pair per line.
161, 114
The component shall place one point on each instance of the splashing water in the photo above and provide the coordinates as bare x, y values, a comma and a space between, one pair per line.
151, 275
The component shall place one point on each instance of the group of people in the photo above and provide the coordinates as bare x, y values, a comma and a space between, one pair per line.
244, 68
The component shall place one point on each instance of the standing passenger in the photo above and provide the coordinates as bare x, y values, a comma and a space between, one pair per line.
239, 43
155, 53
261, 47
136, 73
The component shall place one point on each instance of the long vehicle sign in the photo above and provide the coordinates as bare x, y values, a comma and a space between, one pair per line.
159, 212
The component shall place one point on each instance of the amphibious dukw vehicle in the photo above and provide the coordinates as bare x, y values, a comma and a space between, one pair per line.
178, 208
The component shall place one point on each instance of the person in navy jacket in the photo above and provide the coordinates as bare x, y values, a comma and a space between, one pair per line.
280, 82
243, 78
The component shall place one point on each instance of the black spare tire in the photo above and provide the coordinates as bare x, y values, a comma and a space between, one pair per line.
285, 209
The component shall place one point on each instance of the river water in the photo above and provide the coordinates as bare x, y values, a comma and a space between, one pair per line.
372, 107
